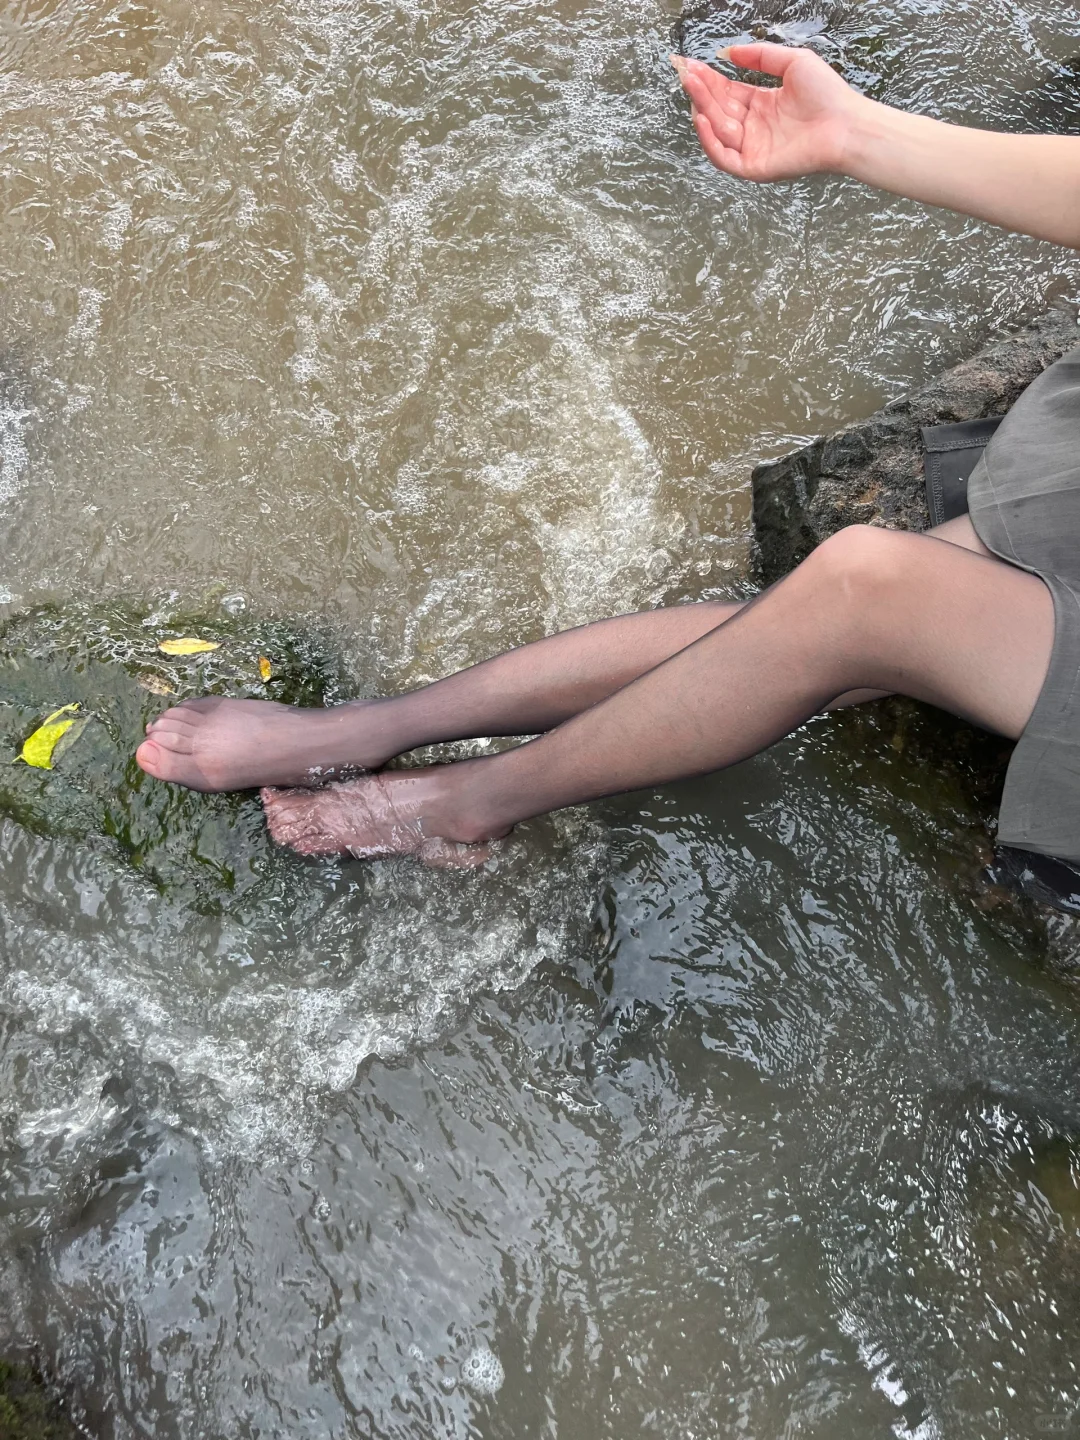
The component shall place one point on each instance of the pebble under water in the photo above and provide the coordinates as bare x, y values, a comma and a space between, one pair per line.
423, 329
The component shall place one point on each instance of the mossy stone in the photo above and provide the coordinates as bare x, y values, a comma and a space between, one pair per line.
210, 849
28, 1410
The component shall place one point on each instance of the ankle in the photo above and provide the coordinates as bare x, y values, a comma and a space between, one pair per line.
456, 808
386, 728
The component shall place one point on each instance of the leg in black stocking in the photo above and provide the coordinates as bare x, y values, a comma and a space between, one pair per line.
870, 610
216, 744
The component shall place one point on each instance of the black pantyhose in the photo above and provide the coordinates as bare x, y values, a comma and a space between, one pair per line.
214, 744
643, 699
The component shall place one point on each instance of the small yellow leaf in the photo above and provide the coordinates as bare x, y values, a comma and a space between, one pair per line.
156, 684
39, 747
265, 669
189, 645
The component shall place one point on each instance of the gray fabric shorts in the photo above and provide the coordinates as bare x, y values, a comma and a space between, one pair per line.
1024, 502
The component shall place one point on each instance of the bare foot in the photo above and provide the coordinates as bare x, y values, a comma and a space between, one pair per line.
388, 814
219, 744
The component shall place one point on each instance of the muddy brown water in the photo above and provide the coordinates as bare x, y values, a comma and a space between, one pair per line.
719, 1111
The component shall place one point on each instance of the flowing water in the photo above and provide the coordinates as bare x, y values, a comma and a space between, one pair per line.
725, 1110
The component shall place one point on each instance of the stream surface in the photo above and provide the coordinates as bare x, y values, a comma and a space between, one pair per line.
719, 1111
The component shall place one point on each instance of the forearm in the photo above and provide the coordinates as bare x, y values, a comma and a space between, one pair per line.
1026, 183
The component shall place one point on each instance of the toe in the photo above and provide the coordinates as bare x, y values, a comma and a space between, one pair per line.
170, 723
155, 760
278, 804
287, 814
195, 709
165, 763
173, 713
299, 833
189, 713
148, 758
178, 741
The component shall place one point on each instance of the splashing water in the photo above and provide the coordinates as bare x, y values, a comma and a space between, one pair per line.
724, 1110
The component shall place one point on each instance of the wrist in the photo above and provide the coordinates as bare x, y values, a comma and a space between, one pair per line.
867, 138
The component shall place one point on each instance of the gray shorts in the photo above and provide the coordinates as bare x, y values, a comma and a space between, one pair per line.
1024, 502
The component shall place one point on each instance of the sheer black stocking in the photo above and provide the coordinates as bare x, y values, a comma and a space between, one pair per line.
870, 612
215, 744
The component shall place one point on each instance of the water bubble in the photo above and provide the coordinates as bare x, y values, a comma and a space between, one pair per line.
115, 226
88, 320
482, 1371
248, 209
345, 171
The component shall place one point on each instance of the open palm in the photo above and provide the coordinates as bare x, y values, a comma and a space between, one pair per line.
770, 134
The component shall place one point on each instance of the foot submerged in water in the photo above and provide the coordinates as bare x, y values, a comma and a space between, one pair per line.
218, 744
378, 815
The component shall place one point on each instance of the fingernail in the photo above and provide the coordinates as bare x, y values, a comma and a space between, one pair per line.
724, 53
679, 62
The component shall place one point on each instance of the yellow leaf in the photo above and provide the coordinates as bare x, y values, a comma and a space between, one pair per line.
189, 645
39, 747
265, 668
156, 684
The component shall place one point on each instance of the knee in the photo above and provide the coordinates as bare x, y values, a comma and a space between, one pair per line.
860, 567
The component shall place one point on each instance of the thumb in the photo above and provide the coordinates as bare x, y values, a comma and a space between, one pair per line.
770, 59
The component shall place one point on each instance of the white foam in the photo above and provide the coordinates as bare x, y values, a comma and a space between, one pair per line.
14, 456
252, 1064
88, 319
115, 226
482, 1371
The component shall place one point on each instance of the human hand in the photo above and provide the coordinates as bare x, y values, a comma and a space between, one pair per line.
771, 134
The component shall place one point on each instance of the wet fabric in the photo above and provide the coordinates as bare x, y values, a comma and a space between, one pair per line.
1024, 501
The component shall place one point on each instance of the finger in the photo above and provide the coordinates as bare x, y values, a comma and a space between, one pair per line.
713, 89
722, 156
727, 127
769, 59
731, 95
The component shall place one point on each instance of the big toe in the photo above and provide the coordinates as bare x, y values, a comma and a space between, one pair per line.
161, 761
151, 758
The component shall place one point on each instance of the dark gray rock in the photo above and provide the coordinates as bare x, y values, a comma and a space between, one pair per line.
872, 472
212, 850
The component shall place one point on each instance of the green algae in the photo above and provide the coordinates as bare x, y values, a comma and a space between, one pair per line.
28, 1410
211, 849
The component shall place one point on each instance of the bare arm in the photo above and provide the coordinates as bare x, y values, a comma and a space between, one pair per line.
815, 122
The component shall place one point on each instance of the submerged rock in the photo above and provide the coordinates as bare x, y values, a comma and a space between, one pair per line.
872, 473
106, 658
28, 1409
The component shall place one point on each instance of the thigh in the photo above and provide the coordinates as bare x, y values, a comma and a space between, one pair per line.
959, 629
957, 532
960, 532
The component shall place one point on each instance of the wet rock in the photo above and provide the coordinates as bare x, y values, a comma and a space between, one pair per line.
210, 849
872, 472
836, 32
28, 1408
